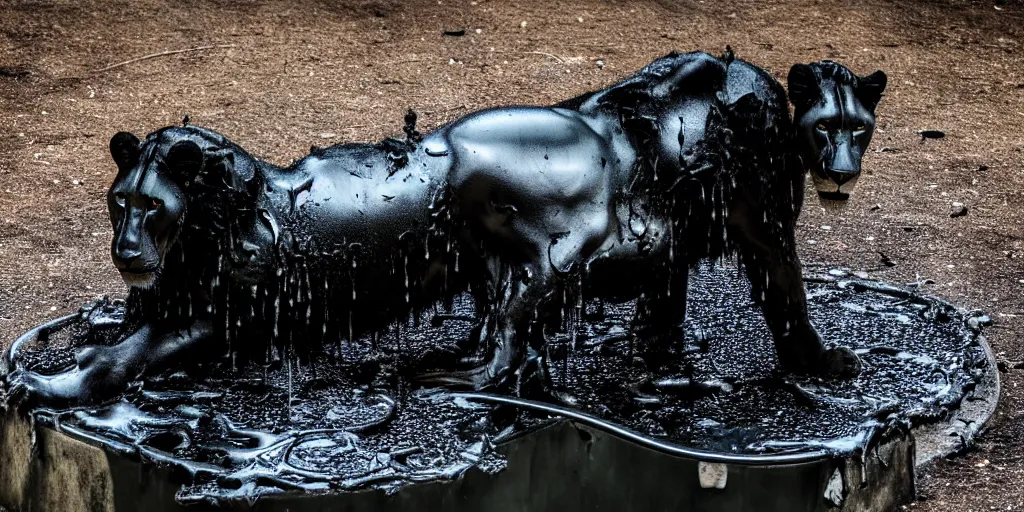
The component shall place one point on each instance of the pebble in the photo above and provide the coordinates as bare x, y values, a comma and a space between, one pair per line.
522, 24
958, 210
328, 135
931, 134
600, 64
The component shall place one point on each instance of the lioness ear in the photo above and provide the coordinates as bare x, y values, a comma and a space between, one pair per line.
220, 170
870, 89
184, 159
803, 87
124, 148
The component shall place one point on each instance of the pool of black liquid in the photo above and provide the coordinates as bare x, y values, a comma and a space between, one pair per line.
355, 419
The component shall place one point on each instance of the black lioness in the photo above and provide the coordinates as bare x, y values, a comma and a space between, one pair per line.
612, 195
174, 208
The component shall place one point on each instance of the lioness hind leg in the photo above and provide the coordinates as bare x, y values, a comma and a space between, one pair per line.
661, 310
518, 293
102, 372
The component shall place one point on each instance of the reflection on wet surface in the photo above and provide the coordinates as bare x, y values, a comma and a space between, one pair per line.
355, 419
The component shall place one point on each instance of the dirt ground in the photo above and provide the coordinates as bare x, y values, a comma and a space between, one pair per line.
281, 76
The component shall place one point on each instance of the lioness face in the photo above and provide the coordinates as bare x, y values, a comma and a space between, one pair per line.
146, 204
835, 118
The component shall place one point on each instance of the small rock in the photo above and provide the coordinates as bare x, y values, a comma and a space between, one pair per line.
454, 33
982, 168
600, 64
580, 19
886, 149
76, 182
884, 258
328, 135
860, 274
826, 228
451, 62
479, 31
958, 210
876, 207
522, 24
931, 134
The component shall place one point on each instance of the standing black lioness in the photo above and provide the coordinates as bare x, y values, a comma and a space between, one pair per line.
612, 195
693, 157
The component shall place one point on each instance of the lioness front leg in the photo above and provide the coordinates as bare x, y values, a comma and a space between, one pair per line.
776, 279
102, 372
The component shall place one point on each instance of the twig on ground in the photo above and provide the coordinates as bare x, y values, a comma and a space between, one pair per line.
556, 57
162, 54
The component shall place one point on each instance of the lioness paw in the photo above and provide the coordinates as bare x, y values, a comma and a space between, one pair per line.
840, 362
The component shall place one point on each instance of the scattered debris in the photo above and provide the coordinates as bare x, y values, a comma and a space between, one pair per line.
959, 210
931, 134
1005, 365
886, 260
12, 72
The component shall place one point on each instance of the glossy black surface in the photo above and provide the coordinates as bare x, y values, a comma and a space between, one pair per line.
613, 195
353, 421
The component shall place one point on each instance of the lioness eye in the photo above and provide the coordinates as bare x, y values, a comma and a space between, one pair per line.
822, 127
155, 203
119, 199
861, 128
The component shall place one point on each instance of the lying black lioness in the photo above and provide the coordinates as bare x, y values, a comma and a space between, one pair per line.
614, 194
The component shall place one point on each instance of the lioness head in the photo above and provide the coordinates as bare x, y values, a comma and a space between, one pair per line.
155, 182
834, 113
